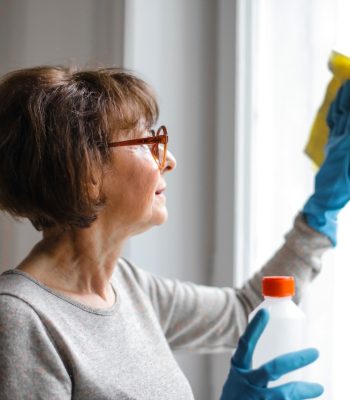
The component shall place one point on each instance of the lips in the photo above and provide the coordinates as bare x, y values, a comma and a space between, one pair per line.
160, 191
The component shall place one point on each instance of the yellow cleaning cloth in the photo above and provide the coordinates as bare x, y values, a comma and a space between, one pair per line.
340, 68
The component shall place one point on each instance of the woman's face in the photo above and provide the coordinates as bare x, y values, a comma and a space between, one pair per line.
135, 187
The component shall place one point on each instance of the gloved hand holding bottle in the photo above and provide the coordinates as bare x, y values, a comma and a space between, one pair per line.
332, 183
244, 383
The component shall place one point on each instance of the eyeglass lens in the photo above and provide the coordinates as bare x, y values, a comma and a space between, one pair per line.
158, 149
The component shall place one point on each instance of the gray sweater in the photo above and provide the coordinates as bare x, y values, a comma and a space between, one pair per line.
55, 348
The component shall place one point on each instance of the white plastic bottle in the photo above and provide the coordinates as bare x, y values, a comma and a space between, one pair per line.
285, 331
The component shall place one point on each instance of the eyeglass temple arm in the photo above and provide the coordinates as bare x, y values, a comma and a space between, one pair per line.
150, 140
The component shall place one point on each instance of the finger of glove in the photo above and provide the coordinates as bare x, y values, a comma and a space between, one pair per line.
343, 98
281, 365
339, 110
339, 106
339, 137
343, 132
247, 342
333, 115
297, 390
339, 127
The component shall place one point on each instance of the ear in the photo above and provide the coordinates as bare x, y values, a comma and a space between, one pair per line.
95, 186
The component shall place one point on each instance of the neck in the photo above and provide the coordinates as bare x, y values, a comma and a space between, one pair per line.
77, 261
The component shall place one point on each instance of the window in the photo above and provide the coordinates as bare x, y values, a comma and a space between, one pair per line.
289, 44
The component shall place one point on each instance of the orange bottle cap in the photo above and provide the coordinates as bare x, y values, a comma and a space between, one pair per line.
278, 286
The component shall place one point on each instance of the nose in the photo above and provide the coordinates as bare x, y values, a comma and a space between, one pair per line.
170, 163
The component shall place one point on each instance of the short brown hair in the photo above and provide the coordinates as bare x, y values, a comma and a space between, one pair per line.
55, 123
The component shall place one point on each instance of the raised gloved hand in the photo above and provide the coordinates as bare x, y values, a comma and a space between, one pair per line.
332, 183
244, 383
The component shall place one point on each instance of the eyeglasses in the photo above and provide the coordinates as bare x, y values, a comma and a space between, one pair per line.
158, 143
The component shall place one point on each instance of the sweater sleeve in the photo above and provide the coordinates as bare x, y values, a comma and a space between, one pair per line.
30, 367
299, 256
209, 319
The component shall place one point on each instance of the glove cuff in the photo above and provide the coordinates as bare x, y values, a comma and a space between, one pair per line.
322, 221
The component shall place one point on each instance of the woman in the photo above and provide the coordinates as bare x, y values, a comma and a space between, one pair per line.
78, 158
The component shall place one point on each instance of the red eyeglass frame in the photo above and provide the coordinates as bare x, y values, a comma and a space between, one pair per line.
156, 139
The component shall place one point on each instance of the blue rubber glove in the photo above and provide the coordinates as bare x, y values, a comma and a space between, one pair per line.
244, 383
332, 183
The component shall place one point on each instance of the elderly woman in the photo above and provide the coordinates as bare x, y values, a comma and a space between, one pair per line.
80, 159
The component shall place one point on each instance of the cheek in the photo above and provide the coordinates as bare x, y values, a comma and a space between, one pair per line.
146, 184
131, 184
141, 179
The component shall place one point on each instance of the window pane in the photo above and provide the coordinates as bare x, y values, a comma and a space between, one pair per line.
291, 45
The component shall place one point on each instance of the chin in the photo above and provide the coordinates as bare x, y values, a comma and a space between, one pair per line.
159, 214
157, 218
161, 217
